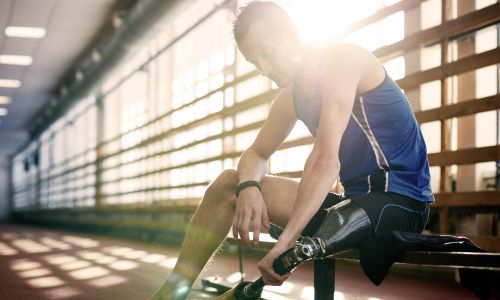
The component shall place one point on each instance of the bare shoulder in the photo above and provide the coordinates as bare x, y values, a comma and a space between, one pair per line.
348, 57
346, 53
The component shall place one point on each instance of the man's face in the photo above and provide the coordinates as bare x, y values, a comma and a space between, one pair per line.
274, 56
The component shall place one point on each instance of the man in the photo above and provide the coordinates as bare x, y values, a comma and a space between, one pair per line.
365, 132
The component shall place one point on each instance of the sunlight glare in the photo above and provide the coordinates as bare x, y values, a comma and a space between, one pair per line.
123, 265
169, 263
34, 273
62, 292
307, 293
285, 288
23, 264
30, 246
233, 278
395, 67
321, 21
325, 21
44, 282
55, 243
6, 250
339, 296
79, 241
105, 259
153, 258
107, 281
89, 273
269, 295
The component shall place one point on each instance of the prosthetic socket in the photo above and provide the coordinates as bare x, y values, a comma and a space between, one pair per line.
345, 226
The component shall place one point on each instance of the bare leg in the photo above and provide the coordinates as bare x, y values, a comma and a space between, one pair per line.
204, 235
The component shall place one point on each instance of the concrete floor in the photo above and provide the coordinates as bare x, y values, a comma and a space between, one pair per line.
48, 264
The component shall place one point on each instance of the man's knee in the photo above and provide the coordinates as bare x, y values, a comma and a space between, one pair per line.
224, 184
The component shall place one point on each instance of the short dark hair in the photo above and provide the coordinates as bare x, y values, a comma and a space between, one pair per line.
274, 17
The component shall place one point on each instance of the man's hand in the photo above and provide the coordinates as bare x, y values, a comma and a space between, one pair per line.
250, 211
266, 267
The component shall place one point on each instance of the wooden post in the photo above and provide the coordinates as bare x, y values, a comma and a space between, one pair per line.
444, 185
444, 182
466, 126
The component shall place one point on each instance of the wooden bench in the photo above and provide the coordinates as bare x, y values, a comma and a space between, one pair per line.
324, 270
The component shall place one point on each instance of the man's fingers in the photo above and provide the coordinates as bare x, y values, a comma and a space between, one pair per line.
270, 279
235, 229
265, 217
243, 229
249, 216
256, 230
237, 221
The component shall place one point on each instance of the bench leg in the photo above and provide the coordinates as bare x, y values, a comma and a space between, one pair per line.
240, 262
324, 279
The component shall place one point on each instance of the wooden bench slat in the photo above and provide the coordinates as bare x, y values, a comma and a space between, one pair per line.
476, 260
452, 259
404, 5
463, 65
469, 22
463, 108
465, 156
467, 199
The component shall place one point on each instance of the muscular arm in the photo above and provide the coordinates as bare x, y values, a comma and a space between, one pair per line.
340, 76
253, 165
280, 121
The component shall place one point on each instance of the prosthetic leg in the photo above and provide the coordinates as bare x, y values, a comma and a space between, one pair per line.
345, 226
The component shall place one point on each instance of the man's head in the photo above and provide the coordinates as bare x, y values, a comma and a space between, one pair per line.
267, 37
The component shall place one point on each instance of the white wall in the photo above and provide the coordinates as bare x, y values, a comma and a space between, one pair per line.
4, 187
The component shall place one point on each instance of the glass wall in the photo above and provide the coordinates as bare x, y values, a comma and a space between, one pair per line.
58, 169
174, 115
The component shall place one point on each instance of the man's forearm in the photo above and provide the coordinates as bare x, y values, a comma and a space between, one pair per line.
317, 180
251, 166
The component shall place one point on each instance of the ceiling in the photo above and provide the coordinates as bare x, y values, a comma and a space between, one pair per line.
72, 27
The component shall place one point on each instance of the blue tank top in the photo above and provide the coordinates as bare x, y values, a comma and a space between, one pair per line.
382, 147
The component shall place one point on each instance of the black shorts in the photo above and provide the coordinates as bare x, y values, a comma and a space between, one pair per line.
387, 211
